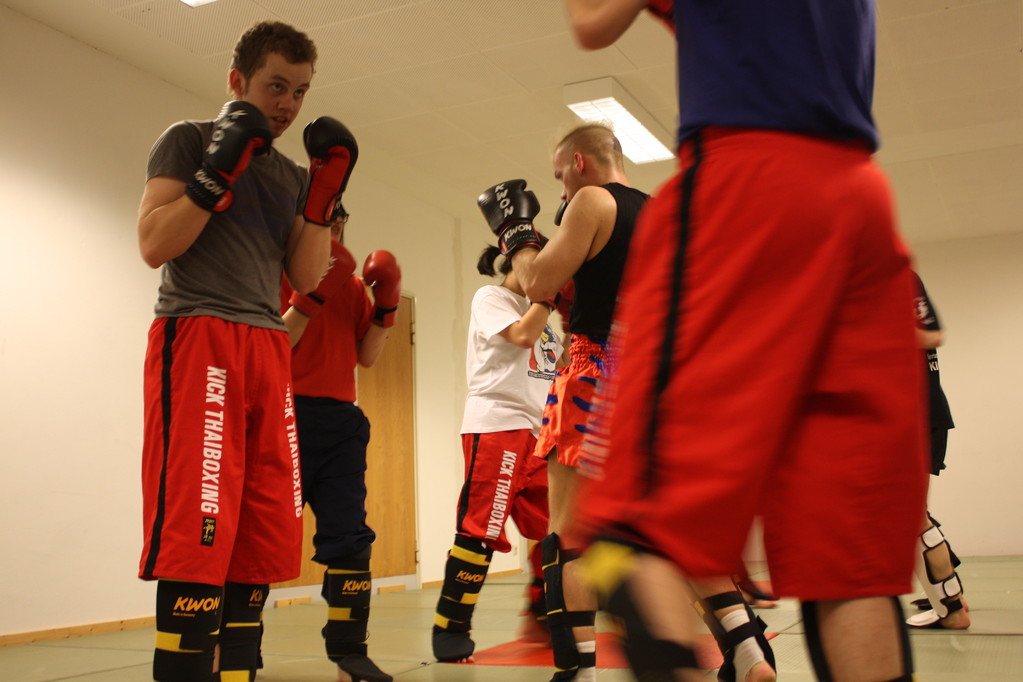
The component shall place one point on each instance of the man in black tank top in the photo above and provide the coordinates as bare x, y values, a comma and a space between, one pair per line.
589, 248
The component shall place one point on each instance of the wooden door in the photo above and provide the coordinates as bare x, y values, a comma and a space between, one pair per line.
386, 395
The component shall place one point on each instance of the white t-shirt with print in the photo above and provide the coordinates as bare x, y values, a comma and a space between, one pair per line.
508, 385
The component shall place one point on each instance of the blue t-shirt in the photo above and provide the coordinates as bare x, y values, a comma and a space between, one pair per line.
803, 66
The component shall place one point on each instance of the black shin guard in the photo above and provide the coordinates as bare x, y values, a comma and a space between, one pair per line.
347, 585
815, 645
241, 631
651, 659
187, 623
464, 573
560, 621
728, 640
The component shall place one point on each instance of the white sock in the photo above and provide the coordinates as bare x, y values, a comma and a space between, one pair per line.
586, 674
748, 652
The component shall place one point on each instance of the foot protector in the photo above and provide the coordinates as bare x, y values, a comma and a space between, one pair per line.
348, 584
361, 669
731, 636
241, 631
464, 573
943, 592
560, 621
449, 646
931, 620
187, 627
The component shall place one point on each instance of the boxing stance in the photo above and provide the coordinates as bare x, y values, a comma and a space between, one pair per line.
762, 347
510, 361
589, 248
567, 419
221, 211
935, 568
334, 328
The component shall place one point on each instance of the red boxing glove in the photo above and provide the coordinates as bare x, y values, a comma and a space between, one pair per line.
340, 267
332, 154
663, 10
381, 272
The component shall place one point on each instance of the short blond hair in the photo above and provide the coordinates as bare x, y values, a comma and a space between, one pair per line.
595, 140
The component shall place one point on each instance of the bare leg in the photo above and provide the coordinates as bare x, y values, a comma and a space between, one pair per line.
562, 482
861, 640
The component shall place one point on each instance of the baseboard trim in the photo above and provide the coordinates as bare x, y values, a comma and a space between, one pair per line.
495, 574
77, 631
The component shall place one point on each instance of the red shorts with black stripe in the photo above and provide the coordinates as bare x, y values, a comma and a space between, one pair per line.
570, 401
221, 484
766, 365
502, 481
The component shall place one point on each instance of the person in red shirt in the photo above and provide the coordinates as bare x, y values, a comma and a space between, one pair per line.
332, 329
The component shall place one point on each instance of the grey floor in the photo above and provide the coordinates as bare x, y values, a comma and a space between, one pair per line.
992, 649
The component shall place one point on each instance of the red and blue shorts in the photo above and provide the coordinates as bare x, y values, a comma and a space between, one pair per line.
569, 407
766, 365
221, 482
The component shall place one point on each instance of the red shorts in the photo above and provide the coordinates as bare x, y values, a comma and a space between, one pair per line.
767, 365
502, 480
570, 402
221, 483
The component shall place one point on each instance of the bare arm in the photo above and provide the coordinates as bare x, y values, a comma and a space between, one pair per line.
308, 253
296, 321
372, 345
169, 222
599, 23
526, 331
585, 229
929, 339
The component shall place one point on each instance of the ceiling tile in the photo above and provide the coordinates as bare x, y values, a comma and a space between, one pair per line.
554, 61
383, 42
964, 111
976, 27
458, 93
969, 74
491, 25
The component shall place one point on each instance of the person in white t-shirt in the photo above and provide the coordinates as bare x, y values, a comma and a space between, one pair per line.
510, 362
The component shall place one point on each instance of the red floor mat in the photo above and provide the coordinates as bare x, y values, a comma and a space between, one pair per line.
609, 654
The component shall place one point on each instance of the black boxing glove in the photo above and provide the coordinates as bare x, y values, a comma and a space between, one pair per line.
332, 154
509, 209
240, 132
561, 213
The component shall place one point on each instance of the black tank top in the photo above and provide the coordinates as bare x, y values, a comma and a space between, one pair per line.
596, 282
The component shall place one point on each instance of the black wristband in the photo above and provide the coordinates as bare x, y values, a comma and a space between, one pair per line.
518, 236
207, 187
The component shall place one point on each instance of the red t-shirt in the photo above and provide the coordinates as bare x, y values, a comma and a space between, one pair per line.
323, 361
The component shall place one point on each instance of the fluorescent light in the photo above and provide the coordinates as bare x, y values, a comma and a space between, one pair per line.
643, 139
197, 3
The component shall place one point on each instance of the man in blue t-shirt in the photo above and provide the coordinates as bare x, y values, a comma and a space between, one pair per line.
767, 361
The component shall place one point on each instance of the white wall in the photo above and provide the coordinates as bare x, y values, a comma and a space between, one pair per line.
74, 135
75, 140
